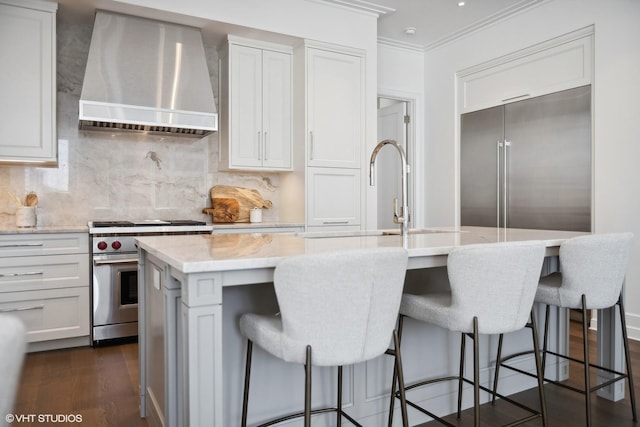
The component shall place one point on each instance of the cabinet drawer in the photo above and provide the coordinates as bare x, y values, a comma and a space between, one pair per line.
43, 272
50, 314
15, 245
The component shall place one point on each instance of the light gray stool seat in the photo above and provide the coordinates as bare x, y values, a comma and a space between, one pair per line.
335, 309
492, 290
13, 342
593, 268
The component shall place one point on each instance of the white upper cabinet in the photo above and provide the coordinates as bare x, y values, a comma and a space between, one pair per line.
335, 108
256, 106
559, 64
28, 81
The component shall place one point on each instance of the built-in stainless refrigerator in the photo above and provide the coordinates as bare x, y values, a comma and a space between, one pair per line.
527, 164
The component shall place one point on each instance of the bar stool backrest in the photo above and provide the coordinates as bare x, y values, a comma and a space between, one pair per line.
344, 304
494, 282
594, 265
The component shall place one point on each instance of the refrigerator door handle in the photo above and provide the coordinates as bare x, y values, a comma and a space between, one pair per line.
505, 183
498, 180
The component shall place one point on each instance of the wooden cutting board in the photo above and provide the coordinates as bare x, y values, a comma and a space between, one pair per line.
247, 199
223, 210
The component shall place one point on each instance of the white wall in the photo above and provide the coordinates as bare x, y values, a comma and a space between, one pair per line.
616, 110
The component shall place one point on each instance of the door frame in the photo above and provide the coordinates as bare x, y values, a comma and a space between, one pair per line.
416, 174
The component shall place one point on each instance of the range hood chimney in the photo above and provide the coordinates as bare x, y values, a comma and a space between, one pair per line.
146, 75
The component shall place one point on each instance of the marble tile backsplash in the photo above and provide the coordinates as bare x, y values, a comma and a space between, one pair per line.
105, 175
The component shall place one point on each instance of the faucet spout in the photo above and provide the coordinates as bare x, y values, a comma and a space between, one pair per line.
401, 217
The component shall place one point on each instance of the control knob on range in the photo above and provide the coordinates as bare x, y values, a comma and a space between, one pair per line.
116, 245
102, 245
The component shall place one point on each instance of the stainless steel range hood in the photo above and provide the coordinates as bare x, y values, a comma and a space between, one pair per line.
146, 75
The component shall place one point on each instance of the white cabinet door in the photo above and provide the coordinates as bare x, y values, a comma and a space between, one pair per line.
245, 102
333, 196
276, 110
557, 65
258, 109
335, 108
27, 82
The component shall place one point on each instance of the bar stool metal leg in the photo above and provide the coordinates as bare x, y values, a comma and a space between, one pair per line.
247, 379
339, 404
476, 375
461, 372
397, 375
398, 367
539, 369
632, 393
307, 389
585, 349
496, 373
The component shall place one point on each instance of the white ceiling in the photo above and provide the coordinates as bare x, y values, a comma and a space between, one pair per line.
435, 21
438, 21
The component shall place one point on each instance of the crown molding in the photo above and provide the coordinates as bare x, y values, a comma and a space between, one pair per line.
398, 44
360, 6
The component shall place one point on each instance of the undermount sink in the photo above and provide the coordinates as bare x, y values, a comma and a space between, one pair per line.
364, 233
420, 231
349, 233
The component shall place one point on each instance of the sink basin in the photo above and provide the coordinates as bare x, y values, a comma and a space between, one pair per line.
364, 233
420, 231
349, 233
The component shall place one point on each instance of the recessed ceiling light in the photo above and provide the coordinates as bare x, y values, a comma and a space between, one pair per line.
461, 3
410, 31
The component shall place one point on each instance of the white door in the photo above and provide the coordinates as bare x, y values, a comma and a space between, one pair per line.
391, 125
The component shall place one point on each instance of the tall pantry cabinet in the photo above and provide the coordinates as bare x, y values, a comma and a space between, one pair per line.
334, 135
28, 81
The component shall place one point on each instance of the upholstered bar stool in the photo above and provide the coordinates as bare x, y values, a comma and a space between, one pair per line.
492, 291
13, 344
592, 271
336, 309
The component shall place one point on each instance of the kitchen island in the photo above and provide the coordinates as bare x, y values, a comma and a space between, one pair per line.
192, 356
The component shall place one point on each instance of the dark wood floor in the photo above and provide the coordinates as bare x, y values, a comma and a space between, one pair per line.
565, 408
101, 385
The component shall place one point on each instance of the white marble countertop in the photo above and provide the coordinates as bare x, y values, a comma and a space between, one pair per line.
225, 252
44, 229
256, 225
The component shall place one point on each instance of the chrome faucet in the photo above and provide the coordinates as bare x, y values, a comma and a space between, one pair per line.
401, 217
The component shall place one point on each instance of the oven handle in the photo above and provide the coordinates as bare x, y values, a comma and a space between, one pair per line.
115, 261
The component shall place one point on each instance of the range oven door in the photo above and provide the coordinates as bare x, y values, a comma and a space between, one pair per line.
115, 296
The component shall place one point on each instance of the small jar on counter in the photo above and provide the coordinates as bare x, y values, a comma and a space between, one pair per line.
255, 215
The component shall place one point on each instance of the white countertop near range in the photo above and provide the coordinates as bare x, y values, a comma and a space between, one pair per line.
12, 229
202, 253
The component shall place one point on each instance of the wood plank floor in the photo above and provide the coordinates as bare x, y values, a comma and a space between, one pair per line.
101, 385
565, 408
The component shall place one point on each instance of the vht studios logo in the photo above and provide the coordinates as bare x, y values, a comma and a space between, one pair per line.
43, 418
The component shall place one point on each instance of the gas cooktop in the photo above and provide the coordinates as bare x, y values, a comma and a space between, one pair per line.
146, 223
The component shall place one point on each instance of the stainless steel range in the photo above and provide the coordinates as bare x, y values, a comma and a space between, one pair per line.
115, 271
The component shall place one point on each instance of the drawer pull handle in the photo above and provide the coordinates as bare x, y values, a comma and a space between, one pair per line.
33, 307
513, 98
115, 261
22, 245
27, 273
335, 222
